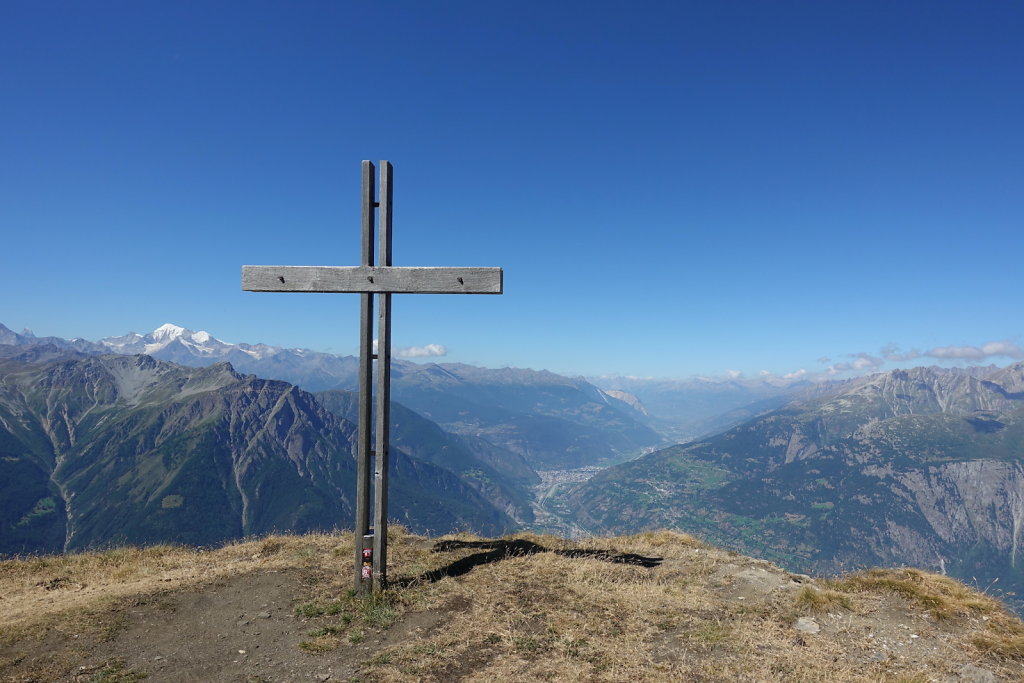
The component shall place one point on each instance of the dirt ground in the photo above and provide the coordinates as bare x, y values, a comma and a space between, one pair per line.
704, 614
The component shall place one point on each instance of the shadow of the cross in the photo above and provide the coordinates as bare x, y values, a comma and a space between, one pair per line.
503, 550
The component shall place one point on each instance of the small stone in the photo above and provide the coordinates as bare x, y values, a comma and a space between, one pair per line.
807, 625
975, 674
263, 615
157, 658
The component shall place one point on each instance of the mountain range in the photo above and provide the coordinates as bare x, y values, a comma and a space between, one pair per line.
128, 449
686, 409
918, 467
100, 444
549, 420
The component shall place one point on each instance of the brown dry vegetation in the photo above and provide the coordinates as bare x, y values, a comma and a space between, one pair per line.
704, 614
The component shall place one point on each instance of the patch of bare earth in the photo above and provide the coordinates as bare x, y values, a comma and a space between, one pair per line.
279, 609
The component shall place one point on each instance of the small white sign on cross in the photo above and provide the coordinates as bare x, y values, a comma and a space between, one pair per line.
368, 280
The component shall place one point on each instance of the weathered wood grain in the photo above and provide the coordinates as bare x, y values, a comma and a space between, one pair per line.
364, 448
383, 430
374, 280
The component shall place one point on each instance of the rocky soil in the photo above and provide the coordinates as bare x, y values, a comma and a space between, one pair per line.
703, 614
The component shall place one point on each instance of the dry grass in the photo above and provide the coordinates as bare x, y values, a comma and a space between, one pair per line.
817, 600
704, 614
81, 593
547, 617
941, 596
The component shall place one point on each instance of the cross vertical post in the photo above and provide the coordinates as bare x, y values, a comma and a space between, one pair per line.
380, 507
364, 450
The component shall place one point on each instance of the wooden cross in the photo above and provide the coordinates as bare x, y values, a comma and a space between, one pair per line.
371, 545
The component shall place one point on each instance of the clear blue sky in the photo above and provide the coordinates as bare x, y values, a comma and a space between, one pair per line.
672, 188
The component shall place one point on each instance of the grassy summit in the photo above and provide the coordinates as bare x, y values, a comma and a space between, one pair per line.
279, 609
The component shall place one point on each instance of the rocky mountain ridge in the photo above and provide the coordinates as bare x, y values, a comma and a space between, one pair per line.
551, 420
129, 449
923, 467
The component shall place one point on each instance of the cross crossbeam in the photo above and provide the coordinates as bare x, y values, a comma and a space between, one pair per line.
381, 279
369, 281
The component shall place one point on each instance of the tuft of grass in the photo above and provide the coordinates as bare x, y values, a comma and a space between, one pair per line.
324, 631
378, 610
320, 645
1005, 645
380, 659
271, 546
941, 596
913, 678
665, 538
822, 600
426, 649
709, 633
318, 609
114, 671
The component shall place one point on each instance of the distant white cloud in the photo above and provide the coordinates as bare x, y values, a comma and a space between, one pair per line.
993, 349
976, 353
428, 351
892, 352
864, 362
861, 362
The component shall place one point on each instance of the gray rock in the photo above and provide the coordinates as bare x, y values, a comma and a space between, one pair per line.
975, 674
807, 625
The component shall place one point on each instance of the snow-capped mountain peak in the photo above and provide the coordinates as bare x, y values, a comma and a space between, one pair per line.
168, 331
200, 343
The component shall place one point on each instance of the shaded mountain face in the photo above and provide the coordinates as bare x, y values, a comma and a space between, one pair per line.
501, 477
38, 353
922, 467
553, 422
128, 449
9, 337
